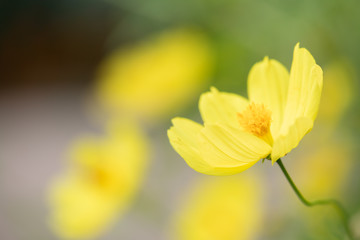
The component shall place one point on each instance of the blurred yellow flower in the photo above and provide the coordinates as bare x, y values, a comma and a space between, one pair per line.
220, 209
238, 132
319, 172
103, 177
156, 77
338, 92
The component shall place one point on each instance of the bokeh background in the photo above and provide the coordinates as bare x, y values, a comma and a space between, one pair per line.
69, 67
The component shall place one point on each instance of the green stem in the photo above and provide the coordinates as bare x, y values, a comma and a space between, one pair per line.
337, 205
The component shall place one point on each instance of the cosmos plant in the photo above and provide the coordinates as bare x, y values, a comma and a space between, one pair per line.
238, 132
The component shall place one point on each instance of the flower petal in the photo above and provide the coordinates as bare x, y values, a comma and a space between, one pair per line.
268, 84
313, 101
230, 150
183, 138
285, 143
306, 80
305, 86
214, 149
221, 107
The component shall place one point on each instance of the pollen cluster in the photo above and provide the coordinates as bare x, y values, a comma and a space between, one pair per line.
256, 119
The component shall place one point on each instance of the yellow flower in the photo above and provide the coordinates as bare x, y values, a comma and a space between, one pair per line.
103, 177
338, 93
238, 132
157, 76
220, 209
318, 179
319, 174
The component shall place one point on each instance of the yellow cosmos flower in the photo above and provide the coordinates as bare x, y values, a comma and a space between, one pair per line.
156, 76
100, 183
220, 209
237, 132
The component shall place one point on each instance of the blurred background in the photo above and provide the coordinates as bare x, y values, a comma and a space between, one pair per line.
68, 68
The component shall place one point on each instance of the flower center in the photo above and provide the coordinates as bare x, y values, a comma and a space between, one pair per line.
256, 119
101, 177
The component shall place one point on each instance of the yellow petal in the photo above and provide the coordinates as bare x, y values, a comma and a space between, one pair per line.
312, 101
305, 86
306, 80
216, 150
268, 84
183, 138
285, 143
229, 150
80, 210
221, 107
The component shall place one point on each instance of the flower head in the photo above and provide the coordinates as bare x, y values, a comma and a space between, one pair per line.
100, 183
156, 76
237, 132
